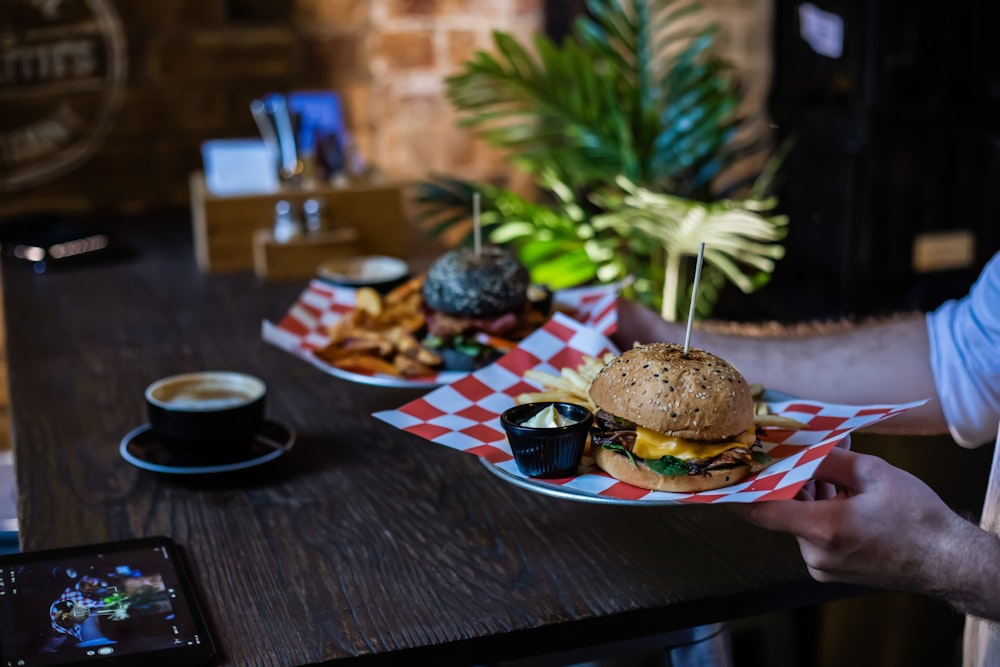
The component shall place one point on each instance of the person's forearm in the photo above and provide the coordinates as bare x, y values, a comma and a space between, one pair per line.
878, 362
969, 559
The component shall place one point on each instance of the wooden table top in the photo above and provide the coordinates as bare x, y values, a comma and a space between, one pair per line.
363, 543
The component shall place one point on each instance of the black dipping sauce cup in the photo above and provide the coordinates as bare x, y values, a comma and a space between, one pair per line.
547, 452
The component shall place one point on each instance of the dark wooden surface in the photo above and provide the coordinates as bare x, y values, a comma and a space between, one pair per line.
364, 542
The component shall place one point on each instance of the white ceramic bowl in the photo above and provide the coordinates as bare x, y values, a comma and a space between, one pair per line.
378, 271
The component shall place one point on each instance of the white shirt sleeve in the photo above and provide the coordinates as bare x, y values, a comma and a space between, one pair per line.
965, 359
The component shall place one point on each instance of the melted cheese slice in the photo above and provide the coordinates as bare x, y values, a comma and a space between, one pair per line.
654, 445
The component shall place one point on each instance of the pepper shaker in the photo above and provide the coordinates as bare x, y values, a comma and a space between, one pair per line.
313, 210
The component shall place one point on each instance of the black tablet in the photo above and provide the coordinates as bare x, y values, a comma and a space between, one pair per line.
125, 604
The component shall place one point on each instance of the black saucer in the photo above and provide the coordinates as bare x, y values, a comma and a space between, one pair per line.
143, 448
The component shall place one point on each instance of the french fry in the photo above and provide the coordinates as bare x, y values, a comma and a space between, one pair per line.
763, 417
379, 335
388, 327
576, 380
332, 353
367, 364
531, 397
551, 395
550, 381
778, 421
411, 367
406, 292
407, 344
367, 300
570, 386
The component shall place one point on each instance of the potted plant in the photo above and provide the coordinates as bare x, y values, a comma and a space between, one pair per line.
628, 128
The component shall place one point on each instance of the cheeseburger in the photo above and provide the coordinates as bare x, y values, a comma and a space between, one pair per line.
670, 421
479, 304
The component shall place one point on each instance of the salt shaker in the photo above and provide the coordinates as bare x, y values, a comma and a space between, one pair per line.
286, 226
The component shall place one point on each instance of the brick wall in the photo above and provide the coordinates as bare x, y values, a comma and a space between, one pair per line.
194, 66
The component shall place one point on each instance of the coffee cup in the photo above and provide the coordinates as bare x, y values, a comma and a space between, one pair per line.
206, 412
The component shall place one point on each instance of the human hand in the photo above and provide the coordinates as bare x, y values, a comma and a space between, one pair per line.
883, 528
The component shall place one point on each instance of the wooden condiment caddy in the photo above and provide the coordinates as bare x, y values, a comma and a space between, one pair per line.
361, 218
299, 256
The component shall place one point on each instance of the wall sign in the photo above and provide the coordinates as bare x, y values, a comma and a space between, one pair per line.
62, 79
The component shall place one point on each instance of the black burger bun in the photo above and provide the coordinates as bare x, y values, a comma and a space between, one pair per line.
696, 396
462, 282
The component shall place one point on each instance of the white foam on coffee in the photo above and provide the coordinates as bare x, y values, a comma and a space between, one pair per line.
206, 393
192, 401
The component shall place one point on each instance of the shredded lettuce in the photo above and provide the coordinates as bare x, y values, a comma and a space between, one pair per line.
669, 465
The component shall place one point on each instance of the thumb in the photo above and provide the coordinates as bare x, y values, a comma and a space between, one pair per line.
840, 467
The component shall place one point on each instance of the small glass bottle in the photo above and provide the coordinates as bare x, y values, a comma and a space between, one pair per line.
313, 210
286, 225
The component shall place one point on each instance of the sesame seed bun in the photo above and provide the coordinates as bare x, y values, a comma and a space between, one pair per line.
634, 471
696, 396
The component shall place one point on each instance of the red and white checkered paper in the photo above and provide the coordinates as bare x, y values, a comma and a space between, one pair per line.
303, 329
465, 415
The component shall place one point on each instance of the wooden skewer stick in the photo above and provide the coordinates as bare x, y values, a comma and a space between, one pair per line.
476, 230
694, 297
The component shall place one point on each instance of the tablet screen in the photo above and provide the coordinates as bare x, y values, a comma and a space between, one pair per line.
112, 602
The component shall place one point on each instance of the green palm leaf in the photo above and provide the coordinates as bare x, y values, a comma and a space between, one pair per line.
626, 126
735, 235
628, 94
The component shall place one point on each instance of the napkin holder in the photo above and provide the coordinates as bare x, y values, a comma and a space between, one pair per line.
298, 257
224, 226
